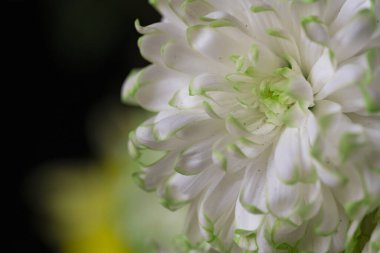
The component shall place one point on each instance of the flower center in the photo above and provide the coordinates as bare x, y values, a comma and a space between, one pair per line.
270, 92
273, 99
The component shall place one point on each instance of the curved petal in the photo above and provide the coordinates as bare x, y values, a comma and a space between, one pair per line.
353, 37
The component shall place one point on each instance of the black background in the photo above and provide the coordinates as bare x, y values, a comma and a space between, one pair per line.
61, 58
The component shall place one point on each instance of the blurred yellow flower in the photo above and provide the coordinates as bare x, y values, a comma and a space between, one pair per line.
94, 207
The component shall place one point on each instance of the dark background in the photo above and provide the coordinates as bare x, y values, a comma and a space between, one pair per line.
62, 57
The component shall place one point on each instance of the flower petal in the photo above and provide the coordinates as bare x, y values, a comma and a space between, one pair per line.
353, 37
156, 87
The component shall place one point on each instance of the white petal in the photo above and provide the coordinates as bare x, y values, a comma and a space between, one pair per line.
196, 158
265, 60
192, 11
193, 229
349, 74
235, 127
331, 10
327, 219
171, 30
339, 238
250, 149
301, 90
130, 87
166, 10
312, 243
236, 9
146, 137
286, 156
157, 85
178, 56
291, 158
354, 36
220, 18
315, 30
371, 180
222, 198
352, 193
262, 241
351, 99
325, 108
182, 100
179, 189
206, 40
245, 220
282, 232
204, 83
347, 11
150, 46
253, 194
292, 202
168, 126
328, 175
217, 211
152, 176
322, 71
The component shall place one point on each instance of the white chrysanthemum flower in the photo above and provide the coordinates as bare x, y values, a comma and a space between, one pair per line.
268, 120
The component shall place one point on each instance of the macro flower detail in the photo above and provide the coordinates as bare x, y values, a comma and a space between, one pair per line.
267, 124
